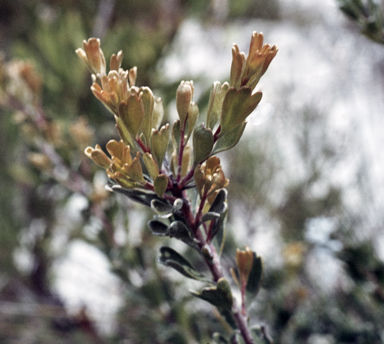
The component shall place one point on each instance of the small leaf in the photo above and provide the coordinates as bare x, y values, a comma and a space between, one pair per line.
237, 106
171, 258
162, 208
193, 114
218, 205
138, 195
215, 103
219, 295
160, 144
209, 216
124, 133
202, 143
229, 139
151, 165
176, 134
255, 276
158, 112
179, 230
131, 113
148, 104
158, 228
160, 184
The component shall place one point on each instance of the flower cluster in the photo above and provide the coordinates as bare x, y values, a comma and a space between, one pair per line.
144, 170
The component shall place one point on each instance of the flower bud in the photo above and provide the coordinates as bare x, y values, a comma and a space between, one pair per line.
184, 95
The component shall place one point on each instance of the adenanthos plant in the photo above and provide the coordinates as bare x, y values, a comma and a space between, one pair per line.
174, 170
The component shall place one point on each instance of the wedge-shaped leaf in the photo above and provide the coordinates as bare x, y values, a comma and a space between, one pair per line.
162, 208
160, 184
218, 231
176, 134
159, 146
179, 230
220, 295
209, 216
169, 257
229, 139
237, 106
131, 113
193, 114
218, 205
148, 104
202, 143
158, 228
124, 133
151, 165
255, 277
138, 195
215, 103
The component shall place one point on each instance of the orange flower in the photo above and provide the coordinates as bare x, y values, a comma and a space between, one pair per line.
248, 71
209, 178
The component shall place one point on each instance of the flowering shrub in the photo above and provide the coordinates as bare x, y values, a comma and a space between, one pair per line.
174, 168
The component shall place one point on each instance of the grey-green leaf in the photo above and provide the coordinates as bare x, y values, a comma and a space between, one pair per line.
218, 205
202, 143
229, 139
179, 230
255, 276
219, 295
158, 228
173, 259
162, 208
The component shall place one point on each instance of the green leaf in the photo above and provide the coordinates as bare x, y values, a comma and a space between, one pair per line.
220, 295
179, 230
148, 104
218, 205
209, 216
237, 106
229, 139
193, 114
215, 103
137, 195
218, 231
160, 144
162, 208
131, 113
151, 165
255, 277
158, 228
160, 184
176, 135
202, 143
171, 258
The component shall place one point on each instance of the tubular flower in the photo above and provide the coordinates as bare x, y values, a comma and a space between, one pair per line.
114, 88
93, 56
248, 71
121, 167
209, 178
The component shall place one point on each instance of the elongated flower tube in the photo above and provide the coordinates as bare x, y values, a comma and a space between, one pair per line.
248, 71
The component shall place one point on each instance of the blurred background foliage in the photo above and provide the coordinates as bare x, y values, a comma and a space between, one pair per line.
51, 197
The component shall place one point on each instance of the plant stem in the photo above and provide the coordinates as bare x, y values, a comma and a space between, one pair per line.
209, 253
